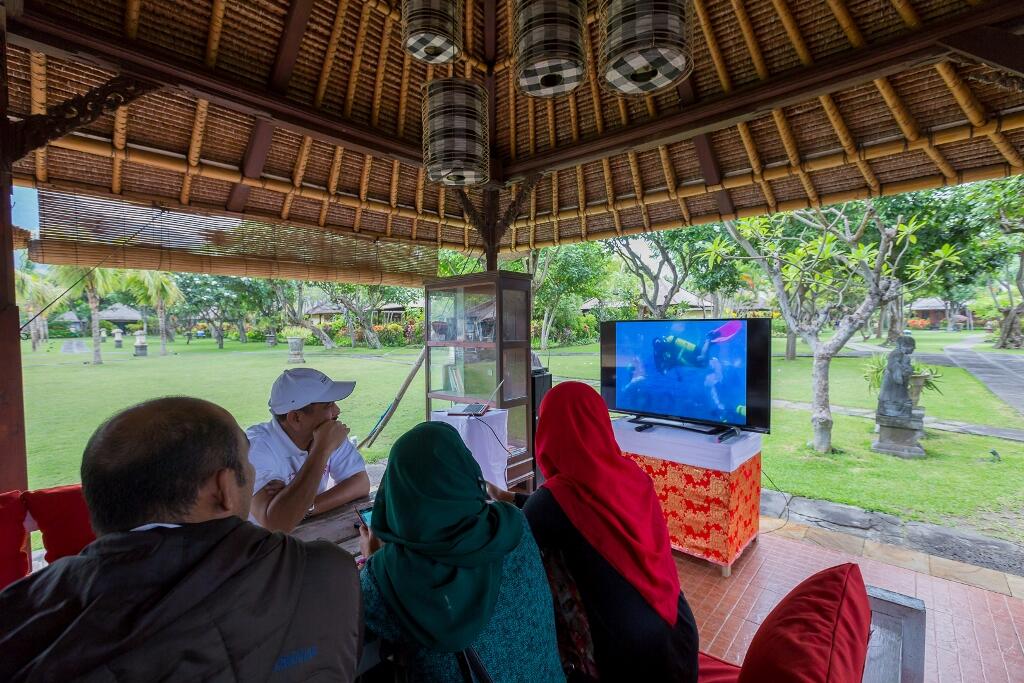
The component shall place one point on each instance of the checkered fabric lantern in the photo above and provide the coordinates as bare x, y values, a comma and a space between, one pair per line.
645, 44
548, 41
432, 29
455, 142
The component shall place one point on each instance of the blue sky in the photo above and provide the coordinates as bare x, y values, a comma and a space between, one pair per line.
25, 208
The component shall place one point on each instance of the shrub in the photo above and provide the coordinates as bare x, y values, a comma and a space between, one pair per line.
293, 331
107, 325
414, 331
61, 331
132, 328
874, 370
779, 328
391, 334
919, 323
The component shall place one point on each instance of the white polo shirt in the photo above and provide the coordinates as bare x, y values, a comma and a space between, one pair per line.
275, 456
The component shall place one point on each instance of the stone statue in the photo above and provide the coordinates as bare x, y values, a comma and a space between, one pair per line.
894, 399
900, 425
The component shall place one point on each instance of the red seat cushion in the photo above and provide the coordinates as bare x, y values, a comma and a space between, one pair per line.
817, 634
14, 560
714, 670
61, 514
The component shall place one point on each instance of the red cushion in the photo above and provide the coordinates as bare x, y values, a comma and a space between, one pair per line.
61, 514
14, 560
714, 670
817, 634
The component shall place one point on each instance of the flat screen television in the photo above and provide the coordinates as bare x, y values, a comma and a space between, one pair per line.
708, 372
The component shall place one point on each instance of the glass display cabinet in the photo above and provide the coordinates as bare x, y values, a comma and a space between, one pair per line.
477, 333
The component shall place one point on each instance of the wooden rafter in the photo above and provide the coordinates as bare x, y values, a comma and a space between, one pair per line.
403, 93
511, 81
595, 98
382, 65
131, 18
396, 171
37, 64
960, 90
725, 80
120, 140
364, 183
835, 117
357, 60
195, 148
419, 201
789, 142
213, 36
332, 50
332, 184
301, 159
900, 113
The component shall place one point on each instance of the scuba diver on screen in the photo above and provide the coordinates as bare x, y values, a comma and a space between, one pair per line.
671, 351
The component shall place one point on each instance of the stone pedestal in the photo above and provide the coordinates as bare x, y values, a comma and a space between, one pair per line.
141, 348
295, 350
899, 436
271, 339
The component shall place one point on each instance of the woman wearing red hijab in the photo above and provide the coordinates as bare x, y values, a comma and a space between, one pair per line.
598, 514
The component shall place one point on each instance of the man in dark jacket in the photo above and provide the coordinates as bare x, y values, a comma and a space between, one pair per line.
178, 586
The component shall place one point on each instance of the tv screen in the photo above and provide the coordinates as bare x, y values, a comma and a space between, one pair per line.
705, 371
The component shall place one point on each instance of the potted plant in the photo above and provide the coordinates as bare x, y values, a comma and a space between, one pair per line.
924, 377
296, 336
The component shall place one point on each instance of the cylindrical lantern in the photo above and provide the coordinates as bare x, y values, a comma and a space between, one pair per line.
432, 29
645, 44
548, 45
455, 143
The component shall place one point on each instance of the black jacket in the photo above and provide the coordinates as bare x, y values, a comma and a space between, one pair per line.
219, 601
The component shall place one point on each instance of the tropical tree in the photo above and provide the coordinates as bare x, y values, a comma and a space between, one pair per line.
34, 293
94, 283
159, 290
360, 301
833, 266
574, 271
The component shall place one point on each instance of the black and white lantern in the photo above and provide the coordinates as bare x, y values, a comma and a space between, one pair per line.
645, 44
432, 29
548, 46
455, 141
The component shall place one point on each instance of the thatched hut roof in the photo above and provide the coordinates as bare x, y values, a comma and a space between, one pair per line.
306, 115
119, 313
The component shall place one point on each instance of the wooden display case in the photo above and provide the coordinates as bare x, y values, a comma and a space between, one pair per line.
477, 333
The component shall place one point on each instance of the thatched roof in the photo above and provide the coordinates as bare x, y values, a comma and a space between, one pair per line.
119, 313
306, 114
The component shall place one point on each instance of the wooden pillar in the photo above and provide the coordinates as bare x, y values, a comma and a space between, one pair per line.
13, 456
490, 230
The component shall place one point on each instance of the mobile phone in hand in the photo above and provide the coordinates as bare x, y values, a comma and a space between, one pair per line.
365, 515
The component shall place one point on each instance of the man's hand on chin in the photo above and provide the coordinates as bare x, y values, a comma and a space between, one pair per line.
329, 436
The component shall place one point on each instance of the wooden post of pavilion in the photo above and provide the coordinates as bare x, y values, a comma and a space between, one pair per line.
13, 456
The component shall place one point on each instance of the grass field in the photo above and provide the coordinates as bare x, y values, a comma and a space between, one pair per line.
66, 398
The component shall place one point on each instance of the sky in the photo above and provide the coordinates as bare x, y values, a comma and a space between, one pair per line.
25, 209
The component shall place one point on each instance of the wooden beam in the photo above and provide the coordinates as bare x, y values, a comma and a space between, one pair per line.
120, 140
131, 18
256, 151
195, 148
13, 455
37, 65
288, 45
213, 36
999, 49
36, 30
301, 159
382, 66
332, 184
332, 50
357, 61
838, 72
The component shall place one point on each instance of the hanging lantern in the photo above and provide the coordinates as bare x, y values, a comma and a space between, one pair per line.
548, 46
455, 143
645, 44
432, 29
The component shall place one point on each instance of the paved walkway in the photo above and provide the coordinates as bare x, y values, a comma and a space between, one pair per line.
1002, 373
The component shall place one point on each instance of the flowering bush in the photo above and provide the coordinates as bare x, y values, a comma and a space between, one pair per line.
919, 323
414, 332
391, 334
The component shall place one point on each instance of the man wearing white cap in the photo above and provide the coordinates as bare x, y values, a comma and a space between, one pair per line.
304, 461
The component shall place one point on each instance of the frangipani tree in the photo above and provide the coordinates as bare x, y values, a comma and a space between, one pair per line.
833, 266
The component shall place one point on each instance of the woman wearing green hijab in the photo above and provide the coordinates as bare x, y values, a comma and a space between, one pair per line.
455, 570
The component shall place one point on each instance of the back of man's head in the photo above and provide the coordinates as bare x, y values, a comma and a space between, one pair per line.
149, 462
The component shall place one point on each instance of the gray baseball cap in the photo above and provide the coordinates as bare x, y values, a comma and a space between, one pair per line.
298, 387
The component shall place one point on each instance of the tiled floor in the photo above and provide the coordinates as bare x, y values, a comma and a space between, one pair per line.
973, 635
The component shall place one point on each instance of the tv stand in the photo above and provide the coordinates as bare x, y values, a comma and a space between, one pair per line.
723, 432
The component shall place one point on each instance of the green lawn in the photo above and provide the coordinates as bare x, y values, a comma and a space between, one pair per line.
66, 398
958, 483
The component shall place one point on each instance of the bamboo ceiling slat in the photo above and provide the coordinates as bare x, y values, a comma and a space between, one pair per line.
38, 70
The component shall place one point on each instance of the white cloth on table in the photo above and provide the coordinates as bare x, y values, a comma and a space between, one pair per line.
486, 436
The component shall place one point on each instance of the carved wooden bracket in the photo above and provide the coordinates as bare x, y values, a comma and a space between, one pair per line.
37, 130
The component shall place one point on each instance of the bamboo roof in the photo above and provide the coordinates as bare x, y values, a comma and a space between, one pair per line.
792, 103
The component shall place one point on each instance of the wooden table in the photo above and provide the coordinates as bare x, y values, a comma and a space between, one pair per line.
337, 526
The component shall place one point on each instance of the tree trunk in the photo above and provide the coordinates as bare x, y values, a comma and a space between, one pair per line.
821, 412
790, 345
880, 325
145, 327
895, 322
351, 329
161, 314
950, 325
545, 327
370, 337
324, 338
1010, 336
217, 329
33, 330
243, 336
94, 315
716, 305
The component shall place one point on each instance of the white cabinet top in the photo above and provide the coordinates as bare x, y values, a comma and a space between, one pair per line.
686, 447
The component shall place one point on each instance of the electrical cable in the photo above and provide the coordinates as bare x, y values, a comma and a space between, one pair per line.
496, 438
91, 270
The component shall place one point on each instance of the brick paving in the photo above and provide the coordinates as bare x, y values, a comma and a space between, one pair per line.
972, 635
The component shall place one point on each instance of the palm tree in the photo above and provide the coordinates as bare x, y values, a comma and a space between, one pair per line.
34, 293
159, 290
95, 283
